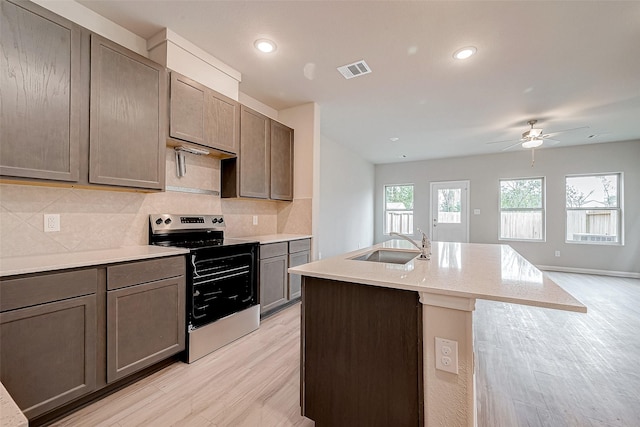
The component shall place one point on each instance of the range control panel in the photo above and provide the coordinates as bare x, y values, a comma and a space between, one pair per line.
162, 223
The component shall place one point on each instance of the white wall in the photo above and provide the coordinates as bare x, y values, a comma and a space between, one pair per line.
346, 200
484, 173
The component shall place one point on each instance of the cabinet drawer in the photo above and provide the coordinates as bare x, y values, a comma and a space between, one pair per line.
299, 245
135, 273
28, 291
273, 249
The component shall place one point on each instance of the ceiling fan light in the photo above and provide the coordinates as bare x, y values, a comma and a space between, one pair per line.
532, 143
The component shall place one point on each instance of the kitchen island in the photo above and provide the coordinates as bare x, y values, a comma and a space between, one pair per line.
370, 329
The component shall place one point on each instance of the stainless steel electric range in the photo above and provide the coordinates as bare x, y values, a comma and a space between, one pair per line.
222, 279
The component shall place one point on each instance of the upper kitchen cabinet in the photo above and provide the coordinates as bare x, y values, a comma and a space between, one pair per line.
248, 175
40, 93
203, 116
281, 162
264, 167
127, 117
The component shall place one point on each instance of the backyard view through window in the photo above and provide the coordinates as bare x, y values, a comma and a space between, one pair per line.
398, 209
593, 209
522, 209
449, 206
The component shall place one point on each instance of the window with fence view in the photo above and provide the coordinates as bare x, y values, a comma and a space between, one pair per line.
398, 209
593, 209
522, 209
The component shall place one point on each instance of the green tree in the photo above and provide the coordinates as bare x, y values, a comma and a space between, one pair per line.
400, 194
521, 193
576, 198
449, 200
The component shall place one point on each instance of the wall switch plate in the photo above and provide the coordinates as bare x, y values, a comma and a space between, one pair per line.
255, 220
51, 222
447, 355
557, 253
476, 211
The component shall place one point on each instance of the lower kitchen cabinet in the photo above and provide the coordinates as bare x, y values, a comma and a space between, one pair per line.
299, 253
277, 287
145, 314
48, 339
273, 275
67, 334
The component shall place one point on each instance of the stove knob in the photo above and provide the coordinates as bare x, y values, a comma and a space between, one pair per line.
159, 221
215, 220
220, 220
167, 221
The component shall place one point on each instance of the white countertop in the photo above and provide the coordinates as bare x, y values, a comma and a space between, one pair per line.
275, 238
10, 414
469, 270
11, 266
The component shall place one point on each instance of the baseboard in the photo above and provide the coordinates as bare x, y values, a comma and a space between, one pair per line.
590, 271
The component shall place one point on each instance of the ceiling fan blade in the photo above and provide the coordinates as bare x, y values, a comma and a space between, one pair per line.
549, 141
565, 130
511, 146
499, 142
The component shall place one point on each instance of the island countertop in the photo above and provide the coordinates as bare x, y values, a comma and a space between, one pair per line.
469, 270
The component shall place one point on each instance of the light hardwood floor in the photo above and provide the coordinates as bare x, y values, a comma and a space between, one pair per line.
535, 367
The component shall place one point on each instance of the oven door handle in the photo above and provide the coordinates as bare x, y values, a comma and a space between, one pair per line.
215, 279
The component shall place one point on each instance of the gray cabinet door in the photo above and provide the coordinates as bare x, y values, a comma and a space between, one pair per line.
295, 280
254, 156
222, 122
127, 119
203, 116
48, 353
145, 324
40, 93
187, 105
273, 282
281, 162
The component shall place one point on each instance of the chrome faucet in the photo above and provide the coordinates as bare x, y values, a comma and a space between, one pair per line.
425, 250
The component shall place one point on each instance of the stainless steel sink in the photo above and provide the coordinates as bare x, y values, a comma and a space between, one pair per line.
393, 257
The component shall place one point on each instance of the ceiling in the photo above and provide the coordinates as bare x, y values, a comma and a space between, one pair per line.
567, 64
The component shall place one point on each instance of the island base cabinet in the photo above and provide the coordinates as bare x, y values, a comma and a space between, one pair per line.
361, 361
146, 324
48, 353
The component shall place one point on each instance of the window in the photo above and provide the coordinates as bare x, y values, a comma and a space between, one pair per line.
522, 209
449, 205
398, 209
594, 209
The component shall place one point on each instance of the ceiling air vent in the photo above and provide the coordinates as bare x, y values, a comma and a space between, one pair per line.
354, 70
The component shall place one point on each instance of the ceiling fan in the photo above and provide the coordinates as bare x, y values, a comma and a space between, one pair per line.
534, 138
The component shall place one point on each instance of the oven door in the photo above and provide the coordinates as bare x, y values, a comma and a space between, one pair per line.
224, 281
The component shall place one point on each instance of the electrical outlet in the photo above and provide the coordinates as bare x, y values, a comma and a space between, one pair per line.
476, 211
447, 355
557, 253
51, 222
255, 220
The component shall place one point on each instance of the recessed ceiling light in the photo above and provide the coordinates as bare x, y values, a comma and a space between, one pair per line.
464, 52
265, 45
394, 139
